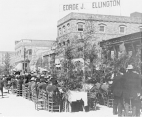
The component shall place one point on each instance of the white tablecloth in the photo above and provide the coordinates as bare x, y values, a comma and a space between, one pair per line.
77, 95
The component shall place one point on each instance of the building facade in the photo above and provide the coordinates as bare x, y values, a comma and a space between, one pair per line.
131, 44
104, 26
29, 51
75, 26
49, 57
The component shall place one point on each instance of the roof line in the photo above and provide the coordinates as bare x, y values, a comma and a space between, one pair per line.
35, 40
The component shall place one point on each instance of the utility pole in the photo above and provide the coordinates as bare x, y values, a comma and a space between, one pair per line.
24, 60
141, 50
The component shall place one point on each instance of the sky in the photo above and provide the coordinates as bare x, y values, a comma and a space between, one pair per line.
37, 19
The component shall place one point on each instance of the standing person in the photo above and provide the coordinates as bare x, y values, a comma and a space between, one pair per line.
132, 90
1, 86
117, 91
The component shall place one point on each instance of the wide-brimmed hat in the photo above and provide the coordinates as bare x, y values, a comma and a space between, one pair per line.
130, 67
32, 79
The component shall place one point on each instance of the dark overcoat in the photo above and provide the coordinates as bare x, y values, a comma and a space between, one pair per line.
1, 84
132, 85
117, 86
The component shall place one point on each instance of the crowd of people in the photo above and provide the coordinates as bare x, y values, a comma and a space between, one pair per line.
125, 88
35, 83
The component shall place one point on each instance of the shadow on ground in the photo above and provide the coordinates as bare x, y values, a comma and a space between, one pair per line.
4, 96
97, 108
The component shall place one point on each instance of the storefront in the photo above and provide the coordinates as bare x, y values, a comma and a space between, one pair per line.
131, 43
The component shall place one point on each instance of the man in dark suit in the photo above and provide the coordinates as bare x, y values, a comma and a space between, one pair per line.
117, 90
132, 91
1, 86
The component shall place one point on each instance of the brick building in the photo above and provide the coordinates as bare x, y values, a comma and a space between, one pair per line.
30, 51
105, 26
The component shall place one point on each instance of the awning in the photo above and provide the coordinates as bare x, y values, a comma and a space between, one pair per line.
19, 67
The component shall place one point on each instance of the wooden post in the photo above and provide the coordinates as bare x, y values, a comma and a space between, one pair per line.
141, 50
115, 51
24, 60
133, 49
109, 54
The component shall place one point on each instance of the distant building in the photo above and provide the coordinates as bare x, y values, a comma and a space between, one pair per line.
136, 15
49, 57
29, 51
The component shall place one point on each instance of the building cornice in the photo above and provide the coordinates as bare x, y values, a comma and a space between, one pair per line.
98, 17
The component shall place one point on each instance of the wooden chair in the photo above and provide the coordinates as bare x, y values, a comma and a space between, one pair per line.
23, 91
110, 103
26, 92
52, 106
19, 91
92, 99
44, 96
29, 94
40, 102
14, 90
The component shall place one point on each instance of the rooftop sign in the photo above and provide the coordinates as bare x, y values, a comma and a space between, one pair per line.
90, 5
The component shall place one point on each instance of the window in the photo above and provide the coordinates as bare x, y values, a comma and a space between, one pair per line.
68, 41
59, 44
26, 64
68, 27
60, 32
122, 29
64, 29
102, 27
30, 51
80, 26
64, 43
140, 28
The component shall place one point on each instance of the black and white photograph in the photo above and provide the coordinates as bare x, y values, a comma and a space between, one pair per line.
70, 58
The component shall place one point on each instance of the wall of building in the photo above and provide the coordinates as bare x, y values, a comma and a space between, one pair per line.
32, 49
112, 26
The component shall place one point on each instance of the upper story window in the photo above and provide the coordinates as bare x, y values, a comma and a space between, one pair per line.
64, 43
30, 51
140, 28
60, 44
60, 32
68, 41
64, 29
122, 29
68, 27
102, 27
80, 26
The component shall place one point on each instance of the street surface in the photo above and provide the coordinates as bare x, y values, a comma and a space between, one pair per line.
13, 106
